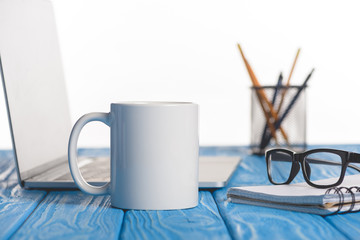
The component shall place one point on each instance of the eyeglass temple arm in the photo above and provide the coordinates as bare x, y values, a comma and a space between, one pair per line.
354, 157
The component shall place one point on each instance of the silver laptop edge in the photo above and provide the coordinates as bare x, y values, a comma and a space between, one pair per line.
10, 125
30, 173
34, 86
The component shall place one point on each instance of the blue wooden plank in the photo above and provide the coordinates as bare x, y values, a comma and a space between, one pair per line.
246, 221
348, 224
201, 222
72, 214
16, 204
224, 150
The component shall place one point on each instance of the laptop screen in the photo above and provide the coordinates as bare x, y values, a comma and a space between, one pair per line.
34, 83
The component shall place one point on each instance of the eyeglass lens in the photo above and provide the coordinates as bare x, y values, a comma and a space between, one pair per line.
325, 164
280, 164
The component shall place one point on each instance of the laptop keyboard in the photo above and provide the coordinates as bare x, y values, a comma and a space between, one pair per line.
92, 169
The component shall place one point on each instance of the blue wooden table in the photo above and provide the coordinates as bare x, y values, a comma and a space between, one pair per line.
35, 214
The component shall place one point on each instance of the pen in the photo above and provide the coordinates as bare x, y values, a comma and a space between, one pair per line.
278, 85
291, 104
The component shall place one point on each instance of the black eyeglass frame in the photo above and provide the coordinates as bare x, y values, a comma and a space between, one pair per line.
299, 159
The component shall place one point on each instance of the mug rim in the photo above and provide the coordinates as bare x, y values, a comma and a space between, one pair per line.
152, 103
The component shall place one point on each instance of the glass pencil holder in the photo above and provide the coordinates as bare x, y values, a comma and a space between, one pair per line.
278, 118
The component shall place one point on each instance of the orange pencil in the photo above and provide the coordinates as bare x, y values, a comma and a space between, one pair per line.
266, 113
263, 97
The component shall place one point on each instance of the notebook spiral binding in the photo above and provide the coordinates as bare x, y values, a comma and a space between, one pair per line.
340, 191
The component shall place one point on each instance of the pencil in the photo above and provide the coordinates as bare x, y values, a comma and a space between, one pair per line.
288, 82
262, 96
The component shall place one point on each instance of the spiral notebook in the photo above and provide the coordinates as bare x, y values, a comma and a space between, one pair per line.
301, 197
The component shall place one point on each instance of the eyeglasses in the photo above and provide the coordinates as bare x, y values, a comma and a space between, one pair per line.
283, 165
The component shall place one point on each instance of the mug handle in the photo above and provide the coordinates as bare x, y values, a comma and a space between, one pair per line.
72, 153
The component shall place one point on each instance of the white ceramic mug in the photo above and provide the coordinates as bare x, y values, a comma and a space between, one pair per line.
154, 155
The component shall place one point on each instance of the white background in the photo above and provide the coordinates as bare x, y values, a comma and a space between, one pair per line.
186, 51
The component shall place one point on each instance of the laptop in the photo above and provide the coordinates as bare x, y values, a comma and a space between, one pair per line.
38, 109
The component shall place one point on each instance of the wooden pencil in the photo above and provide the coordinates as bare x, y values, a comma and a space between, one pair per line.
262, 97
287, 82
